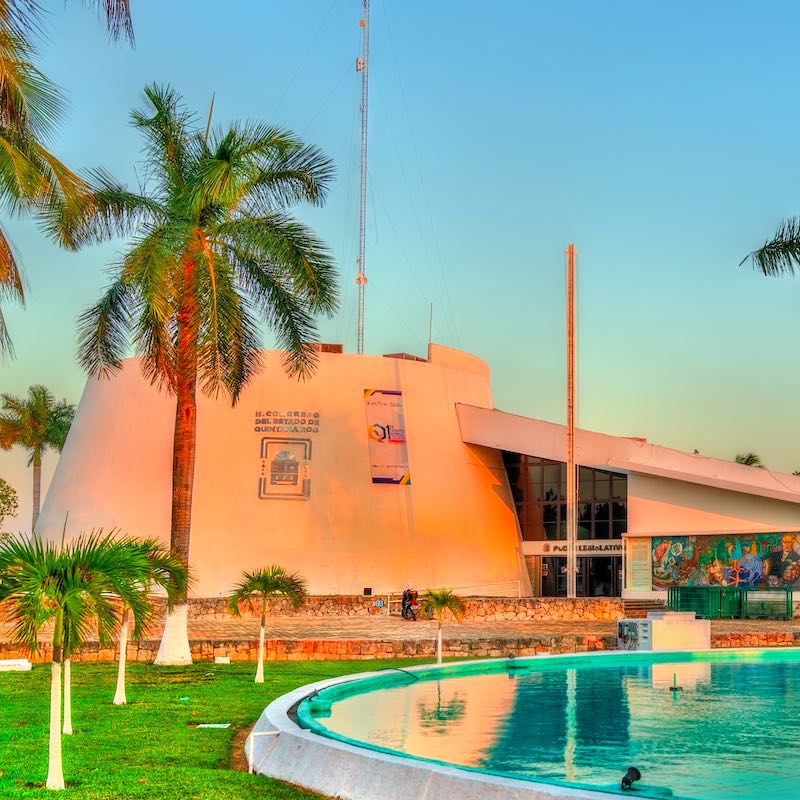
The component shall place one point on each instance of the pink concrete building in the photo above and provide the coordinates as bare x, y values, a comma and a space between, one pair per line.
385, 471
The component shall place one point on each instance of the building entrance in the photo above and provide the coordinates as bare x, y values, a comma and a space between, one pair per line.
598, 576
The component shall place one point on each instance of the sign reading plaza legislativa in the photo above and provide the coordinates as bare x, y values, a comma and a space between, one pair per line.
285, 460
386, 431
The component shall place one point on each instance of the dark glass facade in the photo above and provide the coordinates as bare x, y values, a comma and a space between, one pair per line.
539, 489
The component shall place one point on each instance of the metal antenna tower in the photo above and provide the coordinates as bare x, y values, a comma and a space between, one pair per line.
362, 66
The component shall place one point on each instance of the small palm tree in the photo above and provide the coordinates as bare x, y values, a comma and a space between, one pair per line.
434, 603
77, 588
260, 585
36, 422
749, 459
165, 571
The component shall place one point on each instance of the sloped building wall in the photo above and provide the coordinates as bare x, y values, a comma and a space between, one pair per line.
454, 524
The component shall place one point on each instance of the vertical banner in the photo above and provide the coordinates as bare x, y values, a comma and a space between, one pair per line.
386, 430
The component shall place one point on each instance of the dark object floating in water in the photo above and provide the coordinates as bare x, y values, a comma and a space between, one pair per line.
628, 779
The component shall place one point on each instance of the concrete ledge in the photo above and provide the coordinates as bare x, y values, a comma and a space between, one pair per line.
15, 665
352, 773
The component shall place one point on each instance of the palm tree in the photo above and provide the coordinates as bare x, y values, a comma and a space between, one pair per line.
214, 248
749, 459
36, 422
260, 585
435, 602
76, 587
165, 571
31, 178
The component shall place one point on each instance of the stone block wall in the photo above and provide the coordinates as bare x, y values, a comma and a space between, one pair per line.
335, 649
485, 609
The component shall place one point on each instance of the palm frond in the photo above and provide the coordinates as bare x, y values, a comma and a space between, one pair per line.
169, 141
107, 209
118, 17
781, 254
103, 331
289, 249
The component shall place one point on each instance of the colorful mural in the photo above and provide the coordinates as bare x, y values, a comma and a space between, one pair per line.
758, 560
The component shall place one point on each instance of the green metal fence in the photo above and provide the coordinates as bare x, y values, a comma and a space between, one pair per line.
731, 602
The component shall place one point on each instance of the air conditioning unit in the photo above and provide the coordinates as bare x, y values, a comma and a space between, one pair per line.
634, 634
664, 630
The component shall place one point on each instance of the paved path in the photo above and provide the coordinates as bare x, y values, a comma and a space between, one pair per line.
394, 628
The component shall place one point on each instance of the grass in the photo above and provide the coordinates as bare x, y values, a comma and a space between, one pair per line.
150, 748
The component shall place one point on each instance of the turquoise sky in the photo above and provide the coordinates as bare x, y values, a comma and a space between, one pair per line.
660, 138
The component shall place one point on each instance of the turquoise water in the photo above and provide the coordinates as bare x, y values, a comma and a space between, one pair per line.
731, 730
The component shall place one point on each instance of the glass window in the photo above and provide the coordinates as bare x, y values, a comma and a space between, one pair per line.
600, 511
552, 491
538, 488
552, 473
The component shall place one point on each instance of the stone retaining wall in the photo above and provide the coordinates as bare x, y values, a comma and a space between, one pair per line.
335, 649
355, 649
478, 608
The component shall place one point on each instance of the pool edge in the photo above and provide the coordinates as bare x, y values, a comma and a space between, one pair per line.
284, 750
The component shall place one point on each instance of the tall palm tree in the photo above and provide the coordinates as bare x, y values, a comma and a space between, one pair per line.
259, 586
214, 249
36, 422
435, 603
76, 588
31, 178
165, 571
749, 459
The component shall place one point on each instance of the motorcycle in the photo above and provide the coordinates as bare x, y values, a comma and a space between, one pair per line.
409, 605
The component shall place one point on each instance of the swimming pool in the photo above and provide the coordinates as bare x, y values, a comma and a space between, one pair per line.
715, 725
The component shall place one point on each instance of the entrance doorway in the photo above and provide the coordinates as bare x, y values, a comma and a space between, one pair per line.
598, 576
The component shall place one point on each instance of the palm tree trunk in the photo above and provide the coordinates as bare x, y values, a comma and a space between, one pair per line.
119, 696
67, 696
439, 643
55, 772
37, 487
261, 632
174, 648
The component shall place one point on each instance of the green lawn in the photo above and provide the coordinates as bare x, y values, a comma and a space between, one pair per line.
151, 747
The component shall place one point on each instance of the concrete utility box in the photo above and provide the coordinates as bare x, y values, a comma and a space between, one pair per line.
15, 665
664, 630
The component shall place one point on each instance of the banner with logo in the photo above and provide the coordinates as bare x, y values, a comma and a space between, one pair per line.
386, 430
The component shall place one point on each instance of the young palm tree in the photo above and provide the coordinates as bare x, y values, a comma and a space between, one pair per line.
165, 571
76, 588
259, 586
36, 422
749, 459
435, 602
214, 249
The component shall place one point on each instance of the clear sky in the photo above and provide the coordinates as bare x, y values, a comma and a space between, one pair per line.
660, 138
